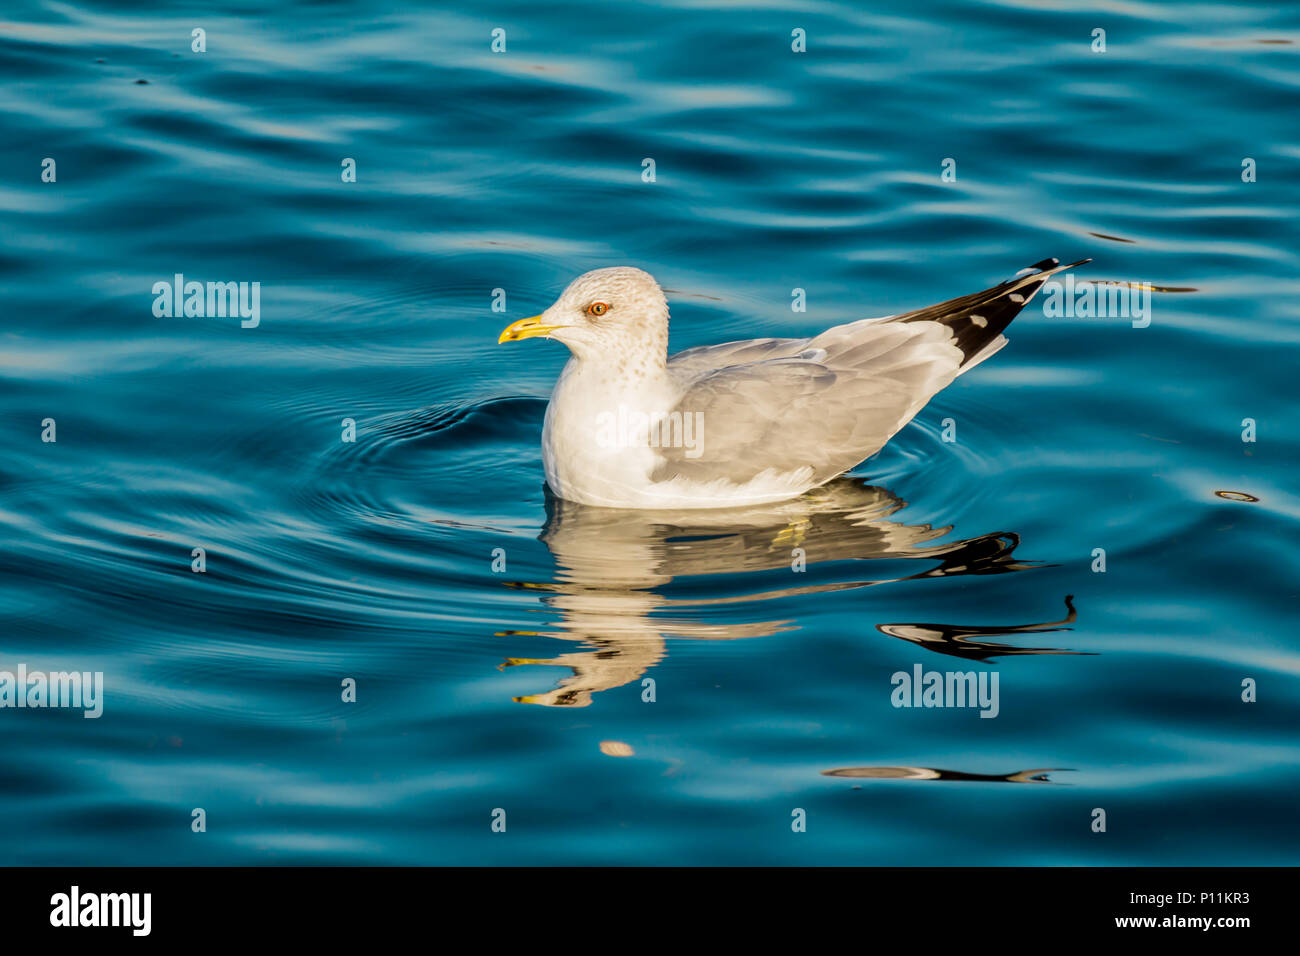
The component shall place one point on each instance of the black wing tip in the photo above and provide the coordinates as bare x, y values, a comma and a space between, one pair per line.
976, 320
1044, 268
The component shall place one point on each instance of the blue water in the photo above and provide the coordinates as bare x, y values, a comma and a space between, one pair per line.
521, 689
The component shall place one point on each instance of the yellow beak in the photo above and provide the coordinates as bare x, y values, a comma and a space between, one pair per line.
528, 328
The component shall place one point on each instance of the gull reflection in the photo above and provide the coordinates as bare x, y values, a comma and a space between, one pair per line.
628, 580
931, 773
957, 639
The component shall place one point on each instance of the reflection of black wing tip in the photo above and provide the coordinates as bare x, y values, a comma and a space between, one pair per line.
987, 554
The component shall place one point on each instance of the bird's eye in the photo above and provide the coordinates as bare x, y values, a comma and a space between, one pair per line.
597, 308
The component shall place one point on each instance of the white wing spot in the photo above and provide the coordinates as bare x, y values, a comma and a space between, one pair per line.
1016, 297
979, 320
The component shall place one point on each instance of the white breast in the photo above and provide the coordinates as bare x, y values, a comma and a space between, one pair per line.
594, 445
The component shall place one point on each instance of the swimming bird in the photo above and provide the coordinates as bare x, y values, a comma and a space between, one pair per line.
748, 422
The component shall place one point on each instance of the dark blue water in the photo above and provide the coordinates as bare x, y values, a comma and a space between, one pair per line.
521, 689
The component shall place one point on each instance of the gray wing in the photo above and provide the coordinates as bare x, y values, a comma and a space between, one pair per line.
827, 407
707, 358
828, 402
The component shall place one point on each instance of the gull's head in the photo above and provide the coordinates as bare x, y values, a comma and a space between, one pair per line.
609, 315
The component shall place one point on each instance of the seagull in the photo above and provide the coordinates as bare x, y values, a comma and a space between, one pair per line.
748, 422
